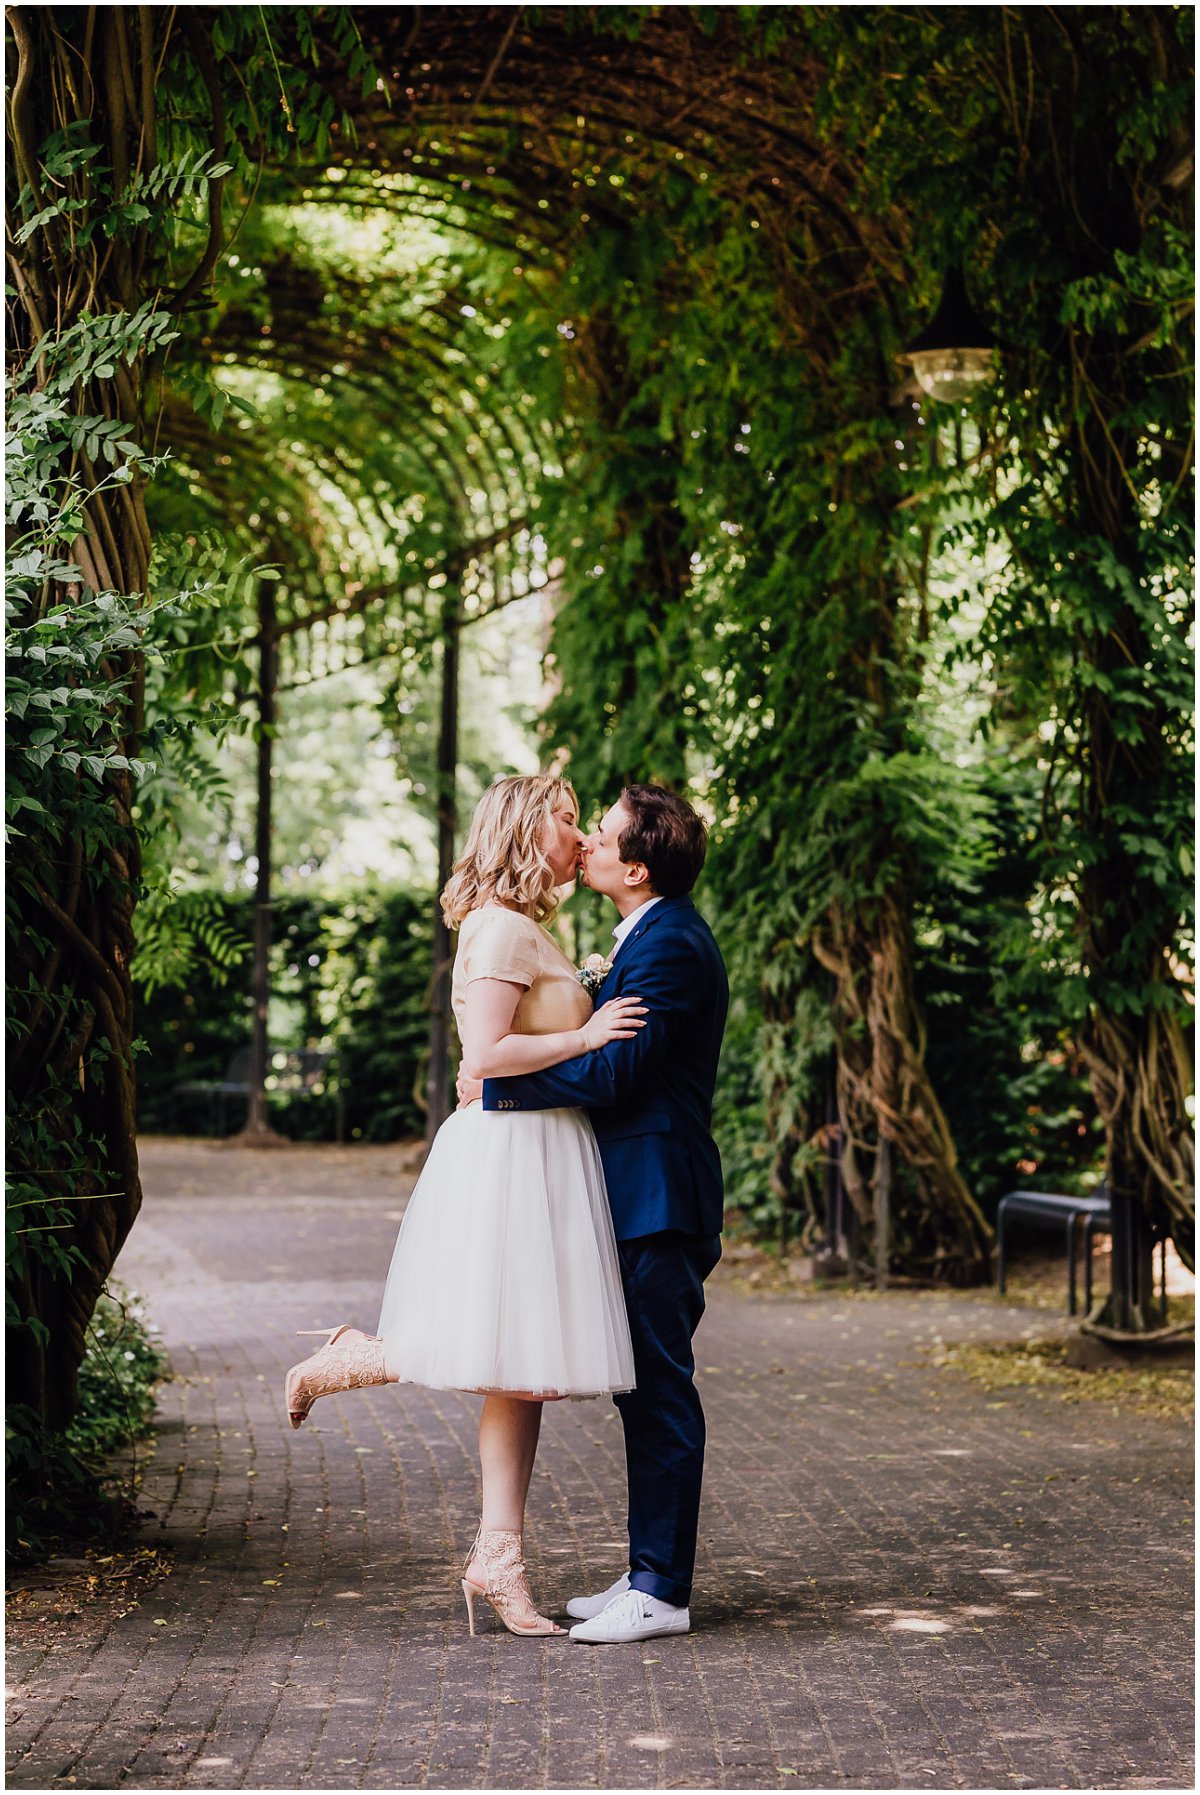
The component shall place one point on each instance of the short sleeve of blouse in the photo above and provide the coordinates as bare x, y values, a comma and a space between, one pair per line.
498, 944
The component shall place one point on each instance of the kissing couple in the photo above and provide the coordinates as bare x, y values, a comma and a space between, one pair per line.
557, 1241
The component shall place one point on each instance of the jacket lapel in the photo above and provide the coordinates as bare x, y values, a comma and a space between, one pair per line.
655, 914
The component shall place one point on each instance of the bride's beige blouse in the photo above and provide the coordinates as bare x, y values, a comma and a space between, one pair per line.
495, 943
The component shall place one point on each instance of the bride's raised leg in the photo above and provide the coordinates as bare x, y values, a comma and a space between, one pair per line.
349, 1360
508, 1437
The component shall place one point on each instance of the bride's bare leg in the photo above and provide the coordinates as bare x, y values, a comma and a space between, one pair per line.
508, 1438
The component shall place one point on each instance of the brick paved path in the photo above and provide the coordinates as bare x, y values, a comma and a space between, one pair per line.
903, 1582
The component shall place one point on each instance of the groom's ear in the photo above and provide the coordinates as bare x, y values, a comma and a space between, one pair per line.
637, 874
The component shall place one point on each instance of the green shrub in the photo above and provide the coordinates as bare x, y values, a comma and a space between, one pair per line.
769, 1106
1002, 1020
382, 960
87, 1475
349, 976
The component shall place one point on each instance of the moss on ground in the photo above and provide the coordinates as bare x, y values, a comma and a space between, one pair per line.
1168, 1391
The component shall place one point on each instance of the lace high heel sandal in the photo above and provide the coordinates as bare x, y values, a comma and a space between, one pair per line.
341, 1364
495, 1570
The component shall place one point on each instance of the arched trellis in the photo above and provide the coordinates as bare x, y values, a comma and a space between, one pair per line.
551, 155
394, 377
544, 189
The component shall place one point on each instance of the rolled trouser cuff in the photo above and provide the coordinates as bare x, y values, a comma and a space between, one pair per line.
663, 1589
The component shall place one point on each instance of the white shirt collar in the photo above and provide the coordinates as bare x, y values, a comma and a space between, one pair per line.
635, 916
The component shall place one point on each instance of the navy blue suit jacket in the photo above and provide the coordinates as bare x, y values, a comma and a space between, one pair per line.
650, 1099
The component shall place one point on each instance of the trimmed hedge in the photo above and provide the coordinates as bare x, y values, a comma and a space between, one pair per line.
349, 977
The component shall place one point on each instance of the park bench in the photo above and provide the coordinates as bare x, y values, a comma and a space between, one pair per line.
296, 1076
216, 1092
1094, 1213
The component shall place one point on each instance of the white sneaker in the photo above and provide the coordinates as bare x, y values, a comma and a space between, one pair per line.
588, 1607
632, 1616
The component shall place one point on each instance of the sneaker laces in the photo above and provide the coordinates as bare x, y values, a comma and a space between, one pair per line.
628, 1609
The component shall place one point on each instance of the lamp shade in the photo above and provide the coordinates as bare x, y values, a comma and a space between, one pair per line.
955, 355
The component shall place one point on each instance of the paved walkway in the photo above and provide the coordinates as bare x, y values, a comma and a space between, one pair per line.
904, 1581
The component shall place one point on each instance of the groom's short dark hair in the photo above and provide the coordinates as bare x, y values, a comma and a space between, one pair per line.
666, 835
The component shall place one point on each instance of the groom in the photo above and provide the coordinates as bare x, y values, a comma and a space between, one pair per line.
650, 1102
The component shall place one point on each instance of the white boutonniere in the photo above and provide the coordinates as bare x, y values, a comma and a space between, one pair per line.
592, 974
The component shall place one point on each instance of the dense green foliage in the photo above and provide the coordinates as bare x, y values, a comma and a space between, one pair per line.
76, 660
1083, 244
115, 221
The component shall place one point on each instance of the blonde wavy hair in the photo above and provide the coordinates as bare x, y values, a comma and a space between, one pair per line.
503, 861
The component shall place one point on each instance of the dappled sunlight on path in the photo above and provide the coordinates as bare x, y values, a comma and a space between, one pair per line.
905, 1580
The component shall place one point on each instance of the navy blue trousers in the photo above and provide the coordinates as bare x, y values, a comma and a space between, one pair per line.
664, 1275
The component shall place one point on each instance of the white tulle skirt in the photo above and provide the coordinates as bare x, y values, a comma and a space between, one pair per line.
505, 1273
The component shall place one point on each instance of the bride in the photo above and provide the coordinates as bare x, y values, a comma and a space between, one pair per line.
505, 1278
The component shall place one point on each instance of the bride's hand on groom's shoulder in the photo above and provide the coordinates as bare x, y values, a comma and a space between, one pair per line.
470, 1090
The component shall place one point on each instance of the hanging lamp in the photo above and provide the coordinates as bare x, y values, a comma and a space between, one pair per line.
955, 355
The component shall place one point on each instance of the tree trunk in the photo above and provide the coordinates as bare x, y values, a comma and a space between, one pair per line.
71, 1077
885, 1095
82, 79
883, 1212
1134, 1040
438, 1096
258, 1131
